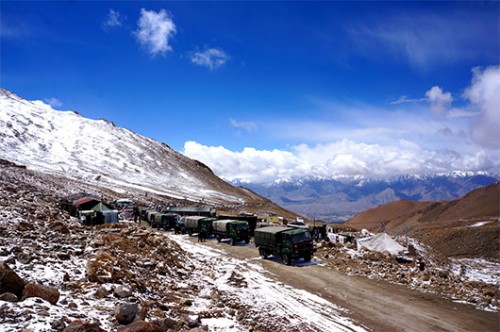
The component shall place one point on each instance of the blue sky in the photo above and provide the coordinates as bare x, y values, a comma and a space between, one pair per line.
261, 91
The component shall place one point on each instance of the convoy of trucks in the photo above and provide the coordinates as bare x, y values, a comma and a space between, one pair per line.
288, 243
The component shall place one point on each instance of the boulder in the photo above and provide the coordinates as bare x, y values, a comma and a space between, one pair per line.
122, 292
81, 326
8, 297
47, 293
100, 265
140, 326
166, 324
199, 329
24, 258
101, 293
58, 325
192, 321
10, 282
125, 312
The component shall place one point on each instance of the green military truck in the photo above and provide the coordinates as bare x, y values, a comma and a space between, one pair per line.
153, 218
285, 242
197, 224
180, 226
235, 230
168, 220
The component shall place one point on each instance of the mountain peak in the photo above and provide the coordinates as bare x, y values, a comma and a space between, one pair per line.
44, 139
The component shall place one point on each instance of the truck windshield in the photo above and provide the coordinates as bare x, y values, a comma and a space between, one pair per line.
301, 237
240, 226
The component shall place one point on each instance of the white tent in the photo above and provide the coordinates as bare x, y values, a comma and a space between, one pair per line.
380, 243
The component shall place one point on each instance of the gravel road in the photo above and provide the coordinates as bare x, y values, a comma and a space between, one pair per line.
377, 305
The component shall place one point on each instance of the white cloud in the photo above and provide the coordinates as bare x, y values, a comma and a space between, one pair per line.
211, 58
113, 20
154, 31
440, 101
484, 96
53, 102
339, 159
363, 141
247, 126
405, 100
249, 165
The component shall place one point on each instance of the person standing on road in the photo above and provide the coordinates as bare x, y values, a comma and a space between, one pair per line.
201, 236
136, 213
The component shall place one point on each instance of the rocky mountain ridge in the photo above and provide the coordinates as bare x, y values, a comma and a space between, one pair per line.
335, 200
97, 151
465, 227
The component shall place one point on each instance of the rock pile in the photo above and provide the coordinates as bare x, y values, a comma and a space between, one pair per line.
57, 275
437, 275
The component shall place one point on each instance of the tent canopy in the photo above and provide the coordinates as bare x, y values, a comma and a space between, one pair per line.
101, 207
380, 243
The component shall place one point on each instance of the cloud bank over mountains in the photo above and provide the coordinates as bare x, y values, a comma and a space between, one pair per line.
444, 140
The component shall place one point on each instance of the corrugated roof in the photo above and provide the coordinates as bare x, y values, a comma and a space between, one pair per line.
84, 200
190, 209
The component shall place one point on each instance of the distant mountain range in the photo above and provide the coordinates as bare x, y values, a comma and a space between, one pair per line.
336, 201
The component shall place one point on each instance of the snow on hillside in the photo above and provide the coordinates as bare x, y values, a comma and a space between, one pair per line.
34, 134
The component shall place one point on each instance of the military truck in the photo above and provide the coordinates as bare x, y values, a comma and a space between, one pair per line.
153, 218
235, 230
197, 224
168, 220
285, 242
180, 226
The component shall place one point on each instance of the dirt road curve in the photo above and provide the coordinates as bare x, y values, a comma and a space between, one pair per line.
378, 305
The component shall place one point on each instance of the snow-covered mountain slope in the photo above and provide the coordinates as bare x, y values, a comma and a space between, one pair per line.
66, 143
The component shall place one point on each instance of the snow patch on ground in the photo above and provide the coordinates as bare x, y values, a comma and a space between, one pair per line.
245, 282
477, 269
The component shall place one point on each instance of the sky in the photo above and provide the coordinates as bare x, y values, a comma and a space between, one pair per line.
273, 90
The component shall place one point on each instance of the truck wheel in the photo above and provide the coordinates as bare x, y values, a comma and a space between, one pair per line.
307, 258
232, 241
190, 232
286, 259
262, 253
218, 238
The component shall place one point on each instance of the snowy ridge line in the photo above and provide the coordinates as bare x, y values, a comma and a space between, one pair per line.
68, 144
244, 285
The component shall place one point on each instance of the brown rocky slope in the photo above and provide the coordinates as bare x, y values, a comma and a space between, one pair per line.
465, 227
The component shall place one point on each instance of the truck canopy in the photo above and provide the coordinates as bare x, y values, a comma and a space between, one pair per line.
268, 235
272, 230
221, 225
194, 221
299, 235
